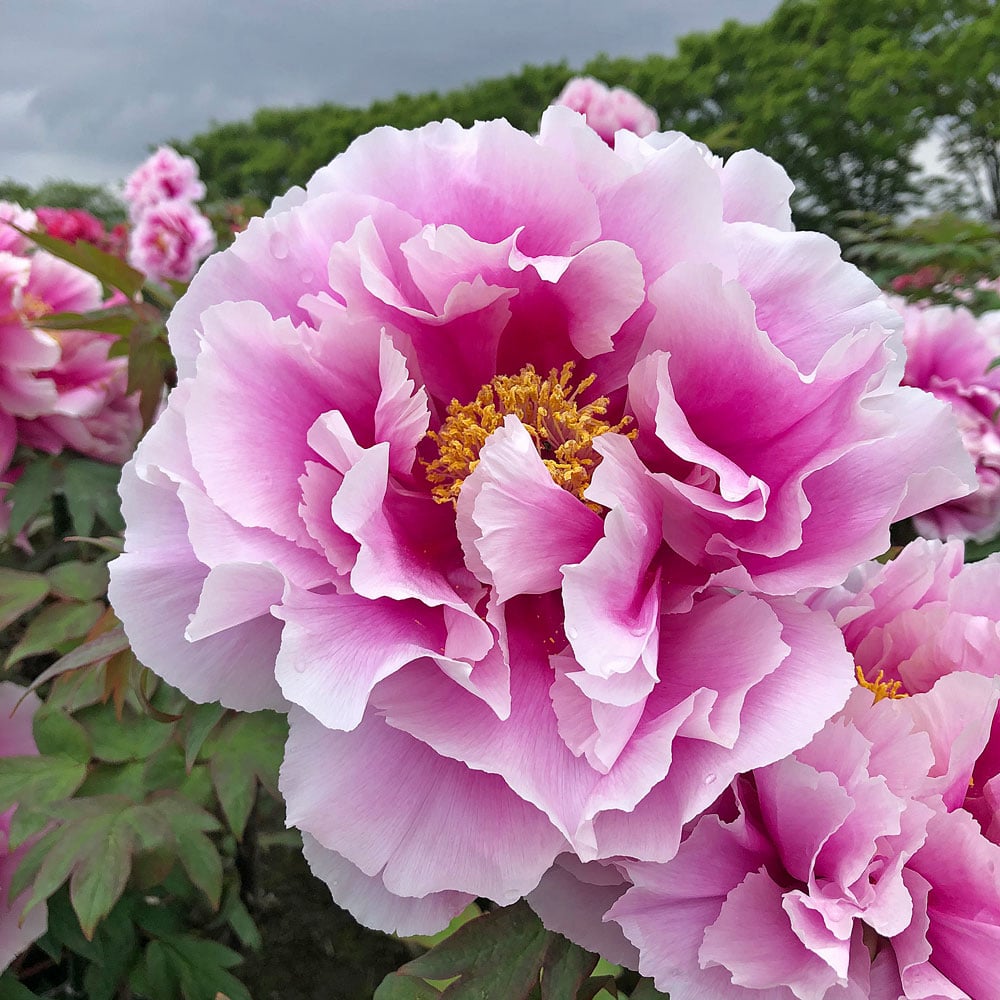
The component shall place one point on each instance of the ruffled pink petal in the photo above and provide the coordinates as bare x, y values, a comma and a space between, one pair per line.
510, 507
756, 189
441, 826
490, 179
370, 903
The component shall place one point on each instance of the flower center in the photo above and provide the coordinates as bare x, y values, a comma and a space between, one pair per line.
879, 687
562, 429
33, 308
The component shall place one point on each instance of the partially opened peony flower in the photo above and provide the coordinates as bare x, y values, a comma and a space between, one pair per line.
949, 353
16, 740
164, 176
839, 872
495, 460
608, 109
170, 239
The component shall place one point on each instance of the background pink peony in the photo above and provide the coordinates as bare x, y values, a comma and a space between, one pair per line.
544, 670
949, 352
164, 176
170, 239
608, 109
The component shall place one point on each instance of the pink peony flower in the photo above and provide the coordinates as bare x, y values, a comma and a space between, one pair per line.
60, 388
74, 224
11, 241
606, 110
948, 354
495, 460
164, 176
15, 740
921, 617
170, 239
838, 872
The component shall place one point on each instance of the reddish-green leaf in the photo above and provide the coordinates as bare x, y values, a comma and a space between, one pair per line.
20, 592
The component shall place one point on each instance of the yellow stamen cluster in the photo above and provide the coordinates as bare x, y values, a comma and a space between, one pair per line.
879, 687
563, 431
33, 308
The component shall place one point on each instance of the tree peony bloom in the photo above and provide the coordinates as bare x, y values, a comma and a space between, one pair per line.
16, 740
495, 460
838, 872
948, 353
164, 176
608, 110
921, 617
169, 241
60, 388
11, 241
74, 224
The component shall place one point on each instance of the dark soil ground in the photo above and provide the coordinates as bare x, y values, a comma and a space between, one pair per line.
313, 950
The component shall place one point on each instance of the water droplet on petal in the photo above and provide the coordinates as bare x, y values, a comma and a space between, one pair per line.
572, 633
307, 277
278, 245
711, 778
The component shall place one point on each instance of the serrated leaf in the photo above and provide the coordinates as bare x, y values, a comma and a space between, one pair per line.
565, 968
79, 581
34, 781
30, 494
54, 625
247, 748
398, 986
100, 876
497, 956
201, 861
110, 270
57, 733
91, 490
199, 721
133, 737
19, 593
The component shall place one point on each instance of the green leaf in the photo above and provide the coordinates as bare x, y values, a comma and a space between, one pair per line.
79, 581
91, 490
199, 721
110, 270
100, 877
20, 592
52, 626
234, 912
57, 733
565, 968
87, 653
133, 737
11, 989
34, 781
647, 991
117, 320
498, 956
201, 861
245, 749
30, 494
398, 986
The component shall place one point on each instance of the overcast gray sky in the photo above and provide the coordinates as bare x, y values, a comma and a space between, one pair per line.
86, 86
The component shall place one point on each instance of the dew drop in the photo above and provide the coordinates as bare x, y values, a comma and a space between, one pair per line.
711, 778
278, 245
307, 277
572, 633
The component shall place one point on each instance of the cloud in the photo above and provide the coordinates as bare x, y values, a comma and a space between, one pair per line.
86, 89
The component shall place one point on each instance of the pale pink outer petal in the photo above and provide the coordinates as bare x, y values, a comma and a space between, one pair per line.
441, 826
756, 189
156, 586
571, 900
370, 903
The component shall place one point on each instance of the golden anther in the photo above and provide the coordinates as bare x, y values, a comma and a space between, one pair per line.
563, 431
879, 687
